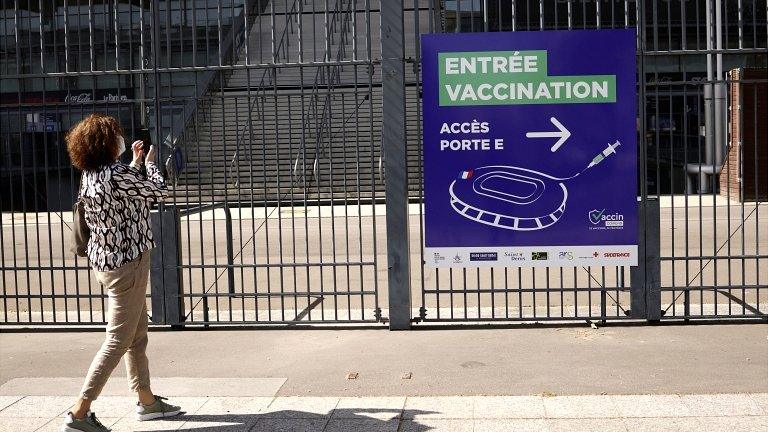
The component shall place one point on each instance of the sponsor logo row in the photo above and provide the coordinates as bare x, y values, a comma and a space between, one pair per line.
525, 256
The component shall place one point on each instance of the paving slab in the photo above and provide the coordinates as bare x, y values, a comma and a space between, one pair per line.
457, 407
26, 424
219, 423
38, 406
511, 425
8, 400
761, 399
234, 406
735, 424
130, 424
508, 407
301, 407
580, 407
651, 406
717, 404
587, 424
666, 424
290, 425
437, 425
380, 408
358, 425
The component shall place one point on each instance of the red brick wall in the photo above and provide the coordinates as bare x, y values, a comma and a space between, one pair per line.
747, 157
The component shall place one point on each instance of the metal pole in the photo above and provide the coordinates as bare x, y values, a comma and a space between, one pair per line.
720, 92
709, 127
394, 147
142, 77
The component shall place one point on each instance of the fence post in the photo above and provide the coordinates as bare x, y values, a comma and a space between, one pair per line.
394, 149
165, 276
653, 260
645, 279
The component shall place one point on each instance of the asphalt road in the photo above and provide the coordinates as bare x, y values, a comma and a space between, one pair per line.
472, 361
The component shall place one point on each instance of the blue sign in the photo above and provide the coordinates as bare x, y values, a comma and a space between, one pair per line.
530, 148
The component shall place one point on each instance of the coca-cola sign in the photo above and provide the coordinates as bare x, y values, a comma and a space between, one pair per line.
67, 97
78, 98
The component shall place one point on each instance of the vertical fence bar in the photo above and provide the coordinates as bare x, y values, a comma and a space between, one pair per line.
165, 276
645, 295
652, 256
394, 147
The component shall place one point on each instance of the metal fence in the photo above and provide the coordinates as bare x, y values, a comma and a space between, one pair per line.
291, 138
701, 231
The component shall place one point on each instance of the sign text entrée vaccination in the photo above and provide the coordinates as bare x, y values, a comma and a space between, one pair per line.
515, 77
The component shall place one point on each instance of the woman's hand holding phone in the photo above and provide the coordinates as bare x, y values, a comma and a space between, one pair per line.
138, 152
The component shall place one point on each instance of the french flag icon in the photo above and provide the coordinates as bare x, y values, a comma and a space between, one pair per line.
466, 175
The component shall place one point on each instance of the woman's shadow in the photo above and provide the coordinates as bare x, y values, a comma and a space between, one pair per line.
340, 420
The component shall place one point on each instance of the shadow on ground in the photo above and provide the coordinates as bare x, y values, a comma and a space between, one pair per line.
342, 420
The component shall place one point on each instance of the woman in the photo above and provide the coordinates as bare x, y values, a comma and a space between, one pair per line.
116, 199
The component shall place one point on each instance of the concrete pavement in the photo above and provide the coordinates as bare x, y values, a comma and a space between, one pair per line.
657, 413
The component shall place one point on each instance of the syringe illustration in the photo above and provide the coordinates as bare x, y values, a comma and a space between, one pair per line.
513, 191
611, 149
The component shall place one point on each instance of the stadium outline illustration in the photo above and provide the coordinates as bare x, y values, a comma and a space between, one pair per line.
513, 191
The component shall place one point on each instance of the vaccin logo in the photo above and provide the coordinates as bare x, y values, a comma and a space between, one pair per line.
605, 221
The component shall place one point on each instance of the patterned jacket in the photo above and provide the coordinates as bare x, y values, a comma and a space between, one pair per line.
117, 200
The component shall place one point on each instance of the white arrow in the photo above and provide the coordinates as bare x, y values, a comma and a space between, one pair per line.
563, 134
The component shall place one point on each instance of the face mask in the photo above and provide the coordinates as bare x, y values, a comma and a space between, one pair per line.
120, 146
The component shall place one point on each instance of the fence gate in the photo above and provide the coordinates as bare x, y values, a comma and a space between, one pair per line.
269, 117
703, 163
290, 134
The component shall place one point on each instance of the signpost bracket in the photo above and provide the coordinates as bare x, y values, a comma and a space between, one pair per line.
393, 139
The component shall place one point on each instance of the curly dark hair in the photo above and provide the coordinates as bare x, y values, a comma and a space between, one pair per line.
93, 142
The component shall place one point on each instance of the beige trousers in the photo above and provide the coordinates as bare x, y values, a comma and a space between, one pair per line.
126, 328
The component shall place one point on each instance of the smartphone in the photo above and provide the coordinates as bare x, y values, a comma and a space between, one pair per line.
146, 138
